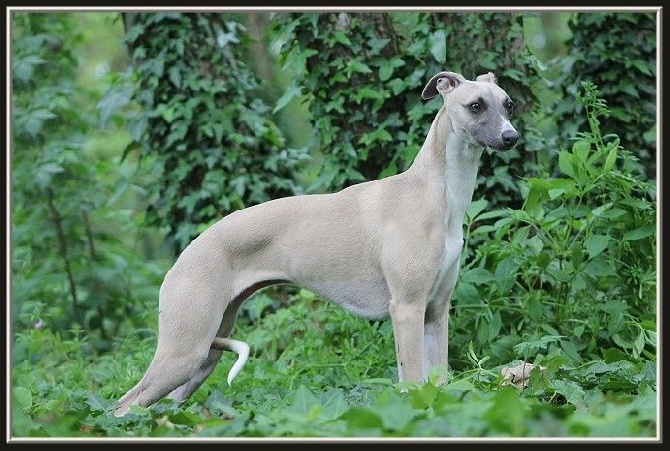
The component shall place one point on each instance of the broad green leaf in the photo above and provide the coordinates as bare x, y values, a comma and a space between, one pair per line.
475, 208
613, 213
508, 412
598, 211
377, 44
595, 244
303, 400
334, 404
610, 160
368, 93
565, 163
599, 267
573, 393
581, 150
476, 276
492, 214
495, 324
466, 292
560, 275
534, 308
505, 272
360, 418
394, 412
639, 233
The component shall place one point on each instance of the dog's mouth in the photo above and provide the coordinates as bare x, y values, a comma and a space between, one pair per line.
503, 148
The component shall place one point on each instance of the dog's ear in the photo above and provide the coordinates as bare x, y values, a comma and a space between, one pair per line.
488, 78
441, 83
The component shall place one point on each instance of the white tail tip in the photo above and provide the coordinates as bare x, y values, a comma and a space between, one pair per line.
238, 347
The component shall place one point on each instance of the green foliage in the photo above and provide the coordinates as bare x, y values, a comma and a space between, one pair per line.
567, 280
329, 377
362, 74
577, 262
617, 52
214, 145
70, 267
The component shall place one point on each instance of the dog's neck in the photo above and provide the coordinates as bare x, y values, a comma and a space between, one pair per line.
454, 163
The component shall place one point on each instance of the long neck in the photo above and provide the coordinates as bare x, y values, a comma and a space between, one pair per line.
462, 163
452, 164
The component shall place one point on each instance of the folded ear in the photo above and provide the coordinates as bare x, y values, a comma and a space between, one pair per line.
488, 78
441, 83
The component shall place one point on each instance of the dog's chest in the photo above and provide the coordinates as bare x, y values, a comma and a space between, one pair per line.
449, 265
447, 273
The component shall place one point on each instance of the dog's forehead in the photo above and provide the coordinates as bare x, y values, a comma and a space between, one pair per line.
484, 89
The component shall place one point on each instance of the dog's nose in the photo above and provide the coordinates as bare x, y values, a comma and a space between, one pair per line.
509, 138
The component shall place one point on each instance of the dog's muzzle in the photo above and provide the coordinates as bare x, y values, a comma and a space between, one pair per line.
509, 139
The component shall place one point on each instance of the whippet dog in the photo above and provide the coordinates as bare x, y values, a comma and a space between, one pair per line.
388, 247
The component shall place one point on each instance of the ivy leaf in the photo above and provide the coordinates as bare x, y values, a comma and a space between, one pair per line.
377, 44
357, 66
223, 39
438, 46
23, 68
34, 120
174, 74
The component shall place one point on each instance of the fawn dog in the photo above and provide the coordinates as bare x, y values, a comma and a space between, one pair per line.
382, 248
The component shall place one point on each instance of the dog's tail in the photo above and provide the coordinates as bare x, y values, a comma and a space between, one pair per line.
238, 347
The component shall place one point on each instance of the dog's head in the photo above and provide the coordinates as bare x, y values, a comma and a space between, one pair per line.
479, 110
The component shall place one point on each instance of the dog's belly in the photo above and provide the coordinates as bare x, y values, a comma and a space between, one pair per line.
368, 298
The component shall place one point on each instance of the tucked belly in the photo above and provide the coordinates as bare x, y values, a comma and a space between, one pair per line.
365, 297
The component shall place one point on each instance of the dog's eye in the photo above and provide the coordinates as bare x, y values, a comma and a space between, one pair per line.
510, 106
475, 107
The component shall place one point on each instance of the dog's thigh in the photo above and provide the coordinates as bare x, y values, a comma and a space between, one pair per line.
184, 391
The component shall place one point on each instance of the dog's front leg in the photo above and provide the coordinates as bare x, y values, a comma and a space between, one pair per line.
435, 351
407, 319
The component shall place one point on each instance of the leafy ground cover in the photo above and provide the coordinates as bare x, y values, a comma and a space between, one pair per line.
566, 283
319, 372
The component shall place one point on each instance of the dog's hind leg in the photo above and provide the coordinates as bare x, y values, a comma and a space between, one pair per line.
220, 344
169, 369
185, 336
